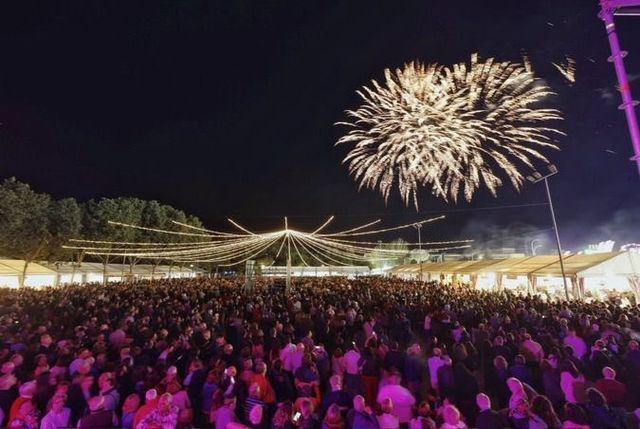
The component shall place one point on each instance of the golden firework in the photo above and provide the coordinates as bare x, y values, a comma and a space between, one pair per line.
450, 129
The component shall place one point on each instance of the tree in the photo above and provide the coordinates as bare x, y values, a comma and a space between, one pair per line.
24, 222
65, 221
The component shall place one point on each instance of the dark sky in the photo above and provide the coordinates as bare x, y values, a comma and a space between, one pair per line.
226, 108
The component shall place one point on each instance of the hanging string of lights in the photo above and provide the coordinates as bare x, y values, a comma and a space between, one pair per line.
228, 249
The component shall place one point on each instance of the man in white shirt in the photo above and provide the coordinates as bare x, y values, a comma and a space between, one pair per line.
352, 377
401, 398
286, 356
435, 362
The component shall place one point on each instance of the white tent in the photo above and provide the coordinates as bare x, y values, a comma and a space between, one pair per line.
11, 271
595, 274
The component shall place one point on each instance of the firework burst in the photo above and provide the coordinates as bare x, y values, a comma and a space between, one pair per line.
450, 129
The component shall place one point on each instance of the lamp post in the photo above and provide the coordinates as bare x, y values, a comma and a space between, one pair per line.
418, 226
536, 177
535, 244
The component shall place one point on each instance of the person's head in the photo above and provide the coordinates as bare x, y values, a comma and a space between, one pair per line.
306, 407
541, 407
498, 340
254, 390
499, 362
596, 398
387, 406
58, 402
394, 378
333, 414
46, 340
150, 395
451, 415
336, 382
28, 389
261, 368
519, 360
515, 385
574, 413
608, 373
8, 368
483, 401
437, 352
173, 387
633, 345
568, 366
231, 371
165, 402
106, 381
522, 406
132, 403
424, 409
359, 403
87, 382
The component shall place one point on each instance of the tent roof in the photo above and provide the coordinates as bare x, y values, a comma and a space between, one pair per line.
597, 264
478, 266
575, 264
17, 265
453, 268
623, 263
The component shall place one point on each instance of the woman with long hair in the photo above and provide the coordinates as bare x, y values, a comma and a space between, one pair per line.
542, 415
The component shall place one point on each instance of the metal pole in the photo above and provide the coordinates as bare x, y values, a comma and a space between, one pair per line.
617, 58
555, 228
420, 249
288, 281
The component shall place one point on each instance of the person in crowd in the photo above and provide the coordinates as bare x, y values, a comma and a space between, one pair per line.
542, 415
452, 418
308, 419
614, 391
424, 419
574, 417
283, 417
388, 419
361, 416
151, 400
129, 410
165, 416
601, 415
188, 338
337, 396
488, 418
401, 398
333, 418
58, 416
98, 416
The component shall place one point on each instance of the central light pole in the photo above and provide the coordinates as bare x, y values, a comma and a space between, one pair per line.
538, 177
418, 226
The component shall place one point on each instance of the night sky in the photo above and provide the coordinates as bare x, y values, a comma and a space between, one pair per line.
226, 108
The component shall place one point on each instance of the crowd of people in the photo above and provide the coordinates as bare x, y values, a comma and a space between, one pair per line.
332, 353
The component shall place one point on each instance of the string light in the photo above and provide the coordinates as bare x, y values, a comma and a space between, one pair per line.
228, 249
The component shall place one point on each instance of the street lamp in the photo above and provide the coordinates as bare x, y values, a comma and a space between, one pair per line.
535, 244
536, 177
418, 226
